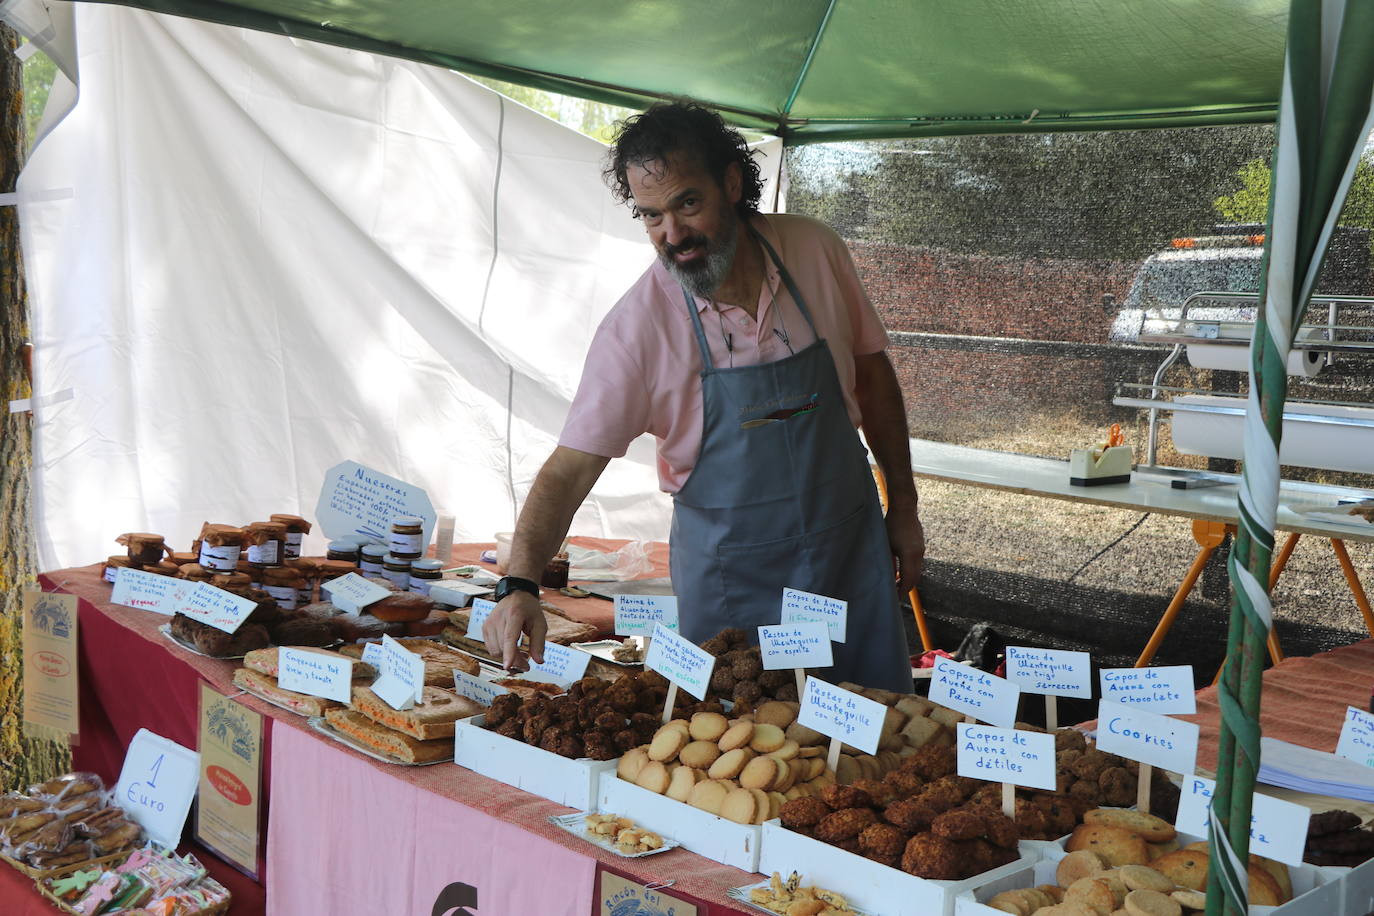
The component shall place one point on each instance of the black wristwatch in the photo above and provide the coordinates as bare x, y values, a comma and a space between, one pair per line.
510, 584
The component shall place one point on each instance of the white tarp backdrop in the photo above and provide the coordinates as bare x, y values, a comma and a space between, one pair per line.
278, 255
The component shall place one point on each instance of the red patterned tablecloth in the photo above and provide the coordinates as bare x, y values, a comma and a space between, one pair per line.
133, 677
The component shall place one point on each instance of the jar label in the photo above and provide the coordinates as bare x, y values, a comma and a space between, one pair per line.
398, 579
110, 573
421, 586
405, 544
224, 558
293, 543
372, 567
303, 595
263, 553
285, 595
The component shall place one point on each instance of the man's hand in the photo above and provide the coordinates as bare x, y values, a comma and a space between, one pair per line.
908, 542
518, 613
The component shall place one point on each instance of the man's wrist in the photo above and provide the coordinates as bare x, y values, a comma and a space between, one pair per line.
511, 585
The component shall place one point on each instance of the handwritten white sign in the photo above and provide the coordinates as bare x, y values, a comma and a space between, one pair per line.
680, 661
1167, 690
636, 615
1357, 737
1278, 829
804, 607
477, 616
796, 645
474, 688
145, 591
1139, 734
856, 720
1007, 755
216, 607
1050, 671
402, 683
351, 593
561, 665
156, 785
974, 693
372, 655
358, 500
315, 674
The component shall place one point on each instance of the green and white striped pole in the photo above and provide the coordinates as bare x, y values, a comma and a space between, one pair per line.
1325, 115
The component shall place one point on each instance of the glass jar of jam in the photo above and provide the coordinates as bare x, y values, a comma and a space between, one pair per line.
407, 539
266, 544
296, 530
114, 564
423, 574
396, 571
144, 549
343, 549
220, 546
372, 558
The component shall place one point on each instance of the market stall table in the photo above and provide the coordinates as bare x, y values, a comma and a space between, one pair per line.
1213, 509
336, 803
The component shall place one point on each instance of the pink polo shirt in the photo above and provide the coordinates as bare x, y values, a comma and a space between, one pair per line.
643, 369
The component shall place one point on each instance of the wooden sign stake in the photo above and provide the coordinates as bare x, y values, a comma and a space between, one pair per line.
1051, 712
832, 759
1009, 800
801, 682
670, 702
1142, 789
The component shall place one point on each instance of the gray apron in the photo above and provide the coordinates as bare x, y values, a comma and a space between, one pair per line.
782, 496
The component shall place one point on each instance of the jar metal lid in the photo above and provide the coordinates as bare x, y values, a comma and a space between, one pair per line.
427, 565
344, 544
392, 560
374, 550
407, 521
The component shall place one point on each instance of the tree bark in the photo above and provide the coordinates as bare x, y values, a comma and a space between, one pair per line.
22, 761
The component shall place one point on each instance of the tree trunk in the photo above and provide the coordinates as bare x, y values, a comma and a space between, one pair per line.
22, 761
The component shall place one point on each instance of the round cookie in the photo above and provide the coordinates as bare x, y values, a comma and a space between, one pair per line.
760, 773
762, 806
708, 796
1187, 868
707, 726
1151, 903
767, 738
682, 782
737, 736
668, 740
1116, 845
631, 762
1094, 892
699, 754
1082, 863
730, 764
789, 750
654, 777
739, 806
1153, 829
775, 712
680, 724
1141, 877
1190, 900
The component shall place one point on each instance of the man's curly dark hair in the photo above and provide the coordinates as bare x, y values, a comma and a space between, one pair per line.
683, 128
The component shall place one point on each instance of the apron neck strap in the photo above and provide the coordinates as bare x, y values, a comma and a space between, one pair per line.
787, 281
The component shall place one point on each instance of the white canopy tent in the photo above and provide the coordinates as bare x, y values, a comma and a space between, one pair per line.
276, 255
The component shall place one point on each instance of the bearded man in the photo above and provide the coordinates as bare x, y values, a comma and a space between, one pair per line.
751, 352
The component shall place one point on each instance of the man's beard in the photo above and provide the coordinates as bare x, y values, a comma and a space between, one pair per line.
704, 277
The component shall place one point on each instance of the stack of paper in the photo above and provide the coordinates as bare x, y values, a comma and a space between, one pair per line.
1290, 766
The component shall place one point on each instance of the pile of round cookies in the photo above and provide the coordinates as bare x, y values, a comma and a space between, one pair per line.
742, 769
1129, 863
